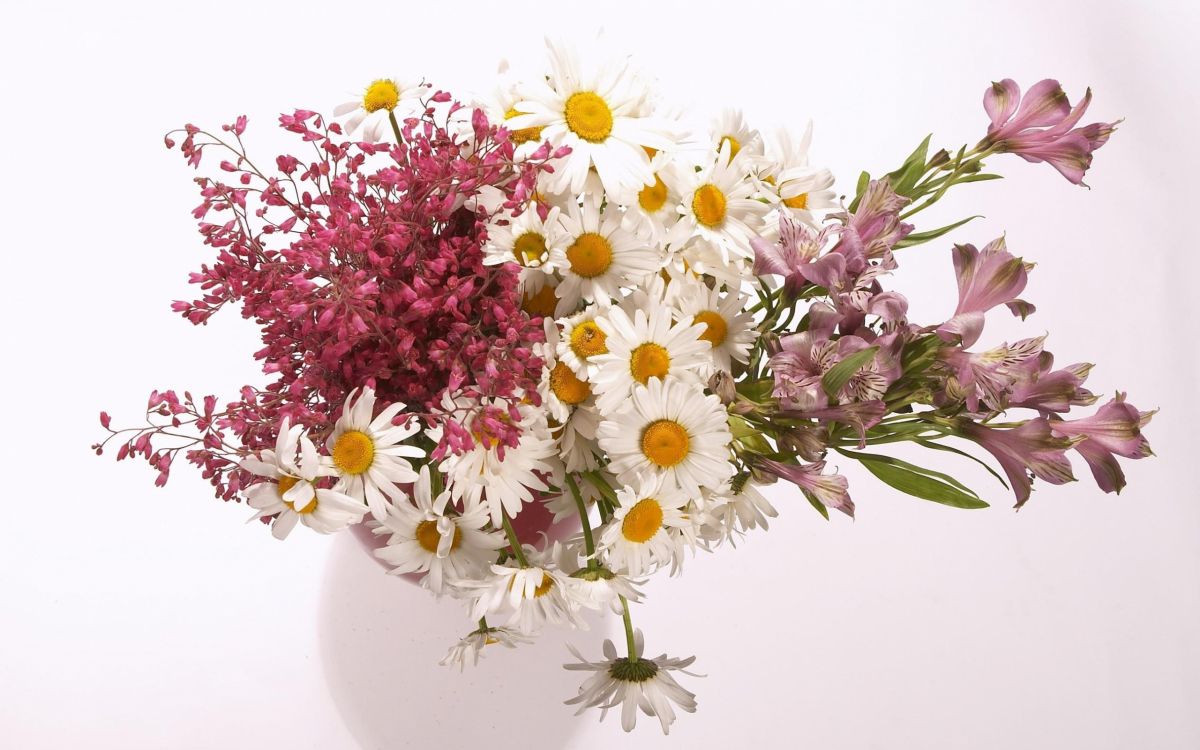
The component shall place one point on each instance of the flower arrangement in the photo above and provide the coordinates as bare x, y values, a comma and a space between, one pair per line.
560, 300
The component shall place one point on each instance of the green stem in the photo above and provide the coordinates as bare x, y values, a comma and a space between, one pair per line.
395, 126
631, 648
588, 543
483, 623
513, 541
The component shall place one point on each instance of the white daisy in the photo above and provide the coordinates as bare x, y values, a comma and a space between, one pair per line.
595, 113
500, 108
700, 257
789, 181
633, 683
731, 512
368, 454
718, 205
523, 597
503, 485
290, 494
384, 99
449, 547
654, 208
544, 301
669, 428
526, 240
728, 328
562, 391
563, 504
599, 258
636, 540
581, 342
730, 130
470, 647
648, 346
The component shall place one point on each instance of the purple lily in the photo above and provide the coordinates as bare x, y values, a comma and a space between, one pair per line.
1040, 127
990, 377
874, 228
796, 256
986, 278
829, 489
1114, 430
1053, 391
1032, 447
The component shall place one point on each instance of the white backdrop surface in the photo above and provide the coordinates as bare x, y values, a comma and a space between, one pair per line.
135, 617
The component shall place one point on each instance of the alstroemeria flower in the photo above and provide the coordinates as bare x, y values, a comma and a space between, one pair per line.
829, 489
1053, 391
1032, 447
796, 256
1040, 127
1114, 430
990, 377
986, 278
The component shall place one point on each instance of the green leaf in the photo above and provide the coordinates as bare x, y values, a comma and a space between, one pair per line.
859, 189
905, 178
838, 375
923, 237
814, 502
917, 481
978, 178
976, 459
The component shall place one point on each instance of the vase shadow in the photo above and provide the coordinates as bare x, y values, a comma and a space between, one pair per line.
380, 641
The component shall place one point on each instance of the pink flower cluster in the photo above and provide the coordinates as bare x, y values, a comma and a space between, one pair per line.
362, 265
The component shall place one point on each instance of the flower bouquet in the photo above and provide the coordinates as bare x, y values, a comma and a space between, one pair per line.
569, 300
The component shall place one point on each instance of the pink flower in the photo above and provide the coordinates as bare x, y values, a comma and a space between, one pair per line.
1114, 430
796, 256
986, 278
1029, 448
828, 489
1053, 391
1040, 127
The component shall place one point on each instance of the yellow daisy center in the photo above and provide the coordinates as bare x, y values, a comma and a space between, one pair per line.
589, 117
522, 135
540, 303
354, 452
650, 152
587, 340
569, 388
530, 247
715, 327
381, 94
708, 204
542, 588
797, 201
652, 197
428, 537
649, 361
734, 145
285, 484
590, 255
665, 442
642, 521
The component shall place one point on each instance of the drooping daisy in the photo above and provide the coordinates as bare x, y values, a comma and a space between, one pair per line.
470, 647
526, 240
290, 494
523, 597
383, 99
728, 328
733, 511
701, 257
594, 586
649, 346
789, 181
424, 538
644, 684
368, 454
581, 342
670, 428
503, 485
718, 205
595, 113
636, 540
599, 257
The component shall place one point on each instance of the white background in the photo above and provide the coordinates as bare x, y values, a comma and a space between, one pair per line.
132, 617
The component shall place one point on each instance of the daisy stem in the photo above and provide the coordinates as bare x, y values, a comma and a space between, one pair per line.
395, 126
483, 623
514, 542
588, 543
630, 648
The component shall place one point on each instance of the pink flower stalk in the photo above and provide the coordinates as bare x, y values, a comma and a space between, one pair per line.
1040, 127
828, 489
986, 278
1114, 430
1030, 448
